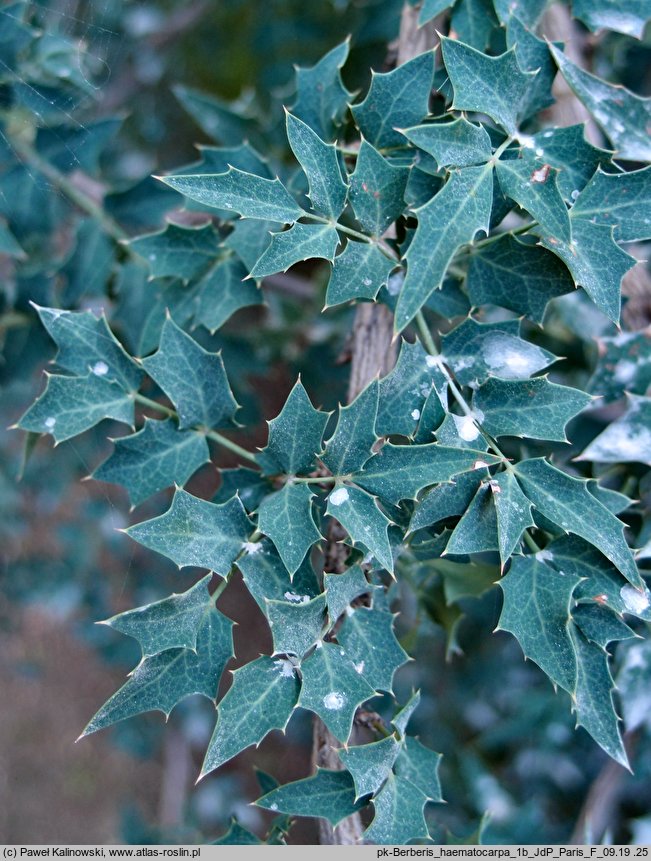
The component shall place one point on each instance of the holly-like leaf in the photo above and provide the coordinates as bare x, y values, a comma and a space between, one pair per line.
245, 193
622, 16
522, 278
449, 220
222, 291
395, 100
456, 144
286, 518
195, 532
370, 764
626, 440
430, 9
192, 378
262, 697
341, 589
321, 98
596, 262
176, 251
446, 500
250, 238
159, 682
249, 484
320, 163
513, 513
86, 344
173, 623
567, 502
474, 22
528, 408
532, 56
477, 529
599, 625
237, 836
633, 684
296, 626
399, 815
333, 688
620, 200
431, 416
419, 765
532, 185
403, 392
623, 116
71, 405
537, 601
370, 643
403, 717
576, 160
295, 435
377, 190
300, 242
357, 273
358, 513
327, 794
350, 445
399, 472
495, 86
157, 456
229, 124
267, 579
624, 365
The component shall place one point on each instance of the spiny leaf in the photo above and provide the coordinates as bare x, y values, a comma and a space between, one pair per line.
474, 22
300, 242
245, 193
456, 144
159, 682
286, 517
192, 378
370, 643
295, 435
399, 815
321, 98
449, 220
403, 717
195, 532
600, 625
513, 513
495, 86
154, 458
370, 764
522, 278
249, 239
249, 485
177, 251
395, 100
623, 116
237, 836
532, 56
222, 291
327, 794
377, 190
86, 344
399, 472
532, 185
358, 513
350, 445
357, 273
596, 262
621, 200
173, 623
262, 697
320, 162
567, 502
536, 610
71, 405
419, 765
527, 11
341, 589
477, 529
623, 16
430, 9
528, 408
218, 119
446, 500
628, 439
267, 579
333, 688
576, 160
296, 626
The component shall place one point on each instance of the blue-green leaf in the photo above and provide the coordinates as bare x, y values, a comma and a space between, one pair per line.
358, 513
173, 623
300, 242
455, 144
321, 98
353, 438
159, 682
195, 532
624, 365
296, 625
262, 697
333, 688
192, 378
157, 456
377, 190
576, 160
177, 251
513, 513
620, 200
341, 589
477, 530
430, 9
446, 500
370, 764
222, 291
320, 163
419, 765
399, 815
267, 579
622, 16
357, 273
286, 518
626, 440
328, 794
370, 643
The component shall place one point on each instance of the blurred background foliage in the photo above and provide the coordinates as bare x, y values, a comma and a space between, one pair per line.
96, 97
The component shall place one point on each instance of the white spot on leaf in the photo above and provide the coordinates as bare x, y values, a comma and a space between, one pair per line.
334, 701
634, 600
339, 496
100, 369
252, 547
50, 422
415, 414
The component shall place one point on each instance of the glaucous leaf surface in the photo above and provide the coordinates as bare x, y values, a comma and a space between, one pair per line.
369, 641
327, 794
321, 97
370, 764
296, 625
359, 514
456, 144
377, 190
357, 273
177, 251
351, 443
626, 440
286, 517
300, 242
320, 163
